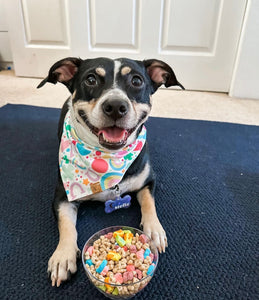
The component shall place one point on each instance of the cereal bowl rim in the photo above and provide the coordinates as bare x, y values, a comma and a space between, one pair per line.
117, 284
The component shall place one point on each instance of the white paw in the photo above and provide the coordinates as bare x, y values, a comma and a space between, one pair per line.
153, 228
62, 263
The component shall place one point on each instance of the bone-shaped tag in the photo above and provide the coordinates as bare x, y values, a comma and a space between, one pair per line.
111, 205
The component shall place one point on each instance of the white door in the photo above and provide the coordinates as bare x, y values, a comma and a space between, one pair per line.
198, 38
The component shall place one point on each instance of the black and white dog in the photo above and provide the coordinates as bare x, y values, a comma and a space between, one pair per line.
109, 104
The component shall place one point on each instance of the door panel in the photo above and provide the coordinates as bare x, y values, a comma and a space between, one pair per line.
198, 38
105, 30
185, 31
34, 19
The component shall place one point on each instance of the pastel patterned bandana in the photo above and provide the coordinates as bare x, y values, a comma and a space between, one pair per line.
86, 170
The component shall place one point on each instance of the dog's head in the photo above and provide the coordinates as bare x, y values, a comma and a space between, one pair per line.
111, 99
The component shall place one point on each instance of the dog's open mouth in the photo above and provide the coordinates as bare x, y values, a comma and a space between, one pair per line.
113, 137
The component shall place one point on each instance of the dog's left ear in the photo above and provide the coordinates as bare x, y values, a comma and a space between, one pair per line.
63, 71
160, 73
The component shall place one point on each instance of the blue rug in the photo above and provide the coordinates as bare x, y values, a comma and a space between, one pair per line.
207, 200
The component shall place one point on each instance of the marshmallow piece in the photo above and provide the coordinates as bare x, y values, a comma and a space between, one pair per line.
130, 275
119, 278
139, 274
150, 270
132, 249
89, 262
113, 255
140, 254
128, 237
105, 271
109, 288
109, 235
102, 287
118, 232
120, 240
90, 250
147, 253
130, 268
127, 276
115, 291
101, 267
143, 238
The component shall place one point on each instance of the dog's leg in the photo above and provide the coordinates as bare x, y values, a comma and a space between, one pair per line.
149, 220
63, 261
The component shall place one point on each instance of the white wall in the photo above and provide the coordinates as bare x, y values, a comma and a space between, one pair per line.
245, 81
5, 50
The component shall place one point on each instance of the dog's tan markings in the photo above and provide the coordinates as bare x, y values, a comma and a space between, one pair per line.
63, 260
125, 70
74, 94
87, 106
149, 221
100, 71
146, 201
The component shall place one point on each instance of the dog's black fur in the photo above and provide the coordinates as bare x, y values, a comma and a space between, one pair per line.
117, 93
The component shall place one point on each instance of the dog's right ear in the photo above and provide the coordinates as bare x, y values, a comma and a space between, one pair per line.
63, 71
160, 73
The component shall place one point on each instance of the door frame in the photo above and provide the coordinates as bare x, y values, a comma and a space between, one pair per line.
244, 83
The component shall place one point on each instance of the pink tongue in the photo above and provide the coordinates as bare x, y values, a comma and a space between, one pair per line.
113, 134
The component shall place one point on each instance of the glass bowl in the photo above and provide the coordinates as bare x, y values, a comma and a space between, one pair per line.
115, 290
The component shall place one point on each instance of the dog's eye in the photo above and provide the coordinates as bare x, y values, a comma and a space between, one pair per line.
91, 80
136, 81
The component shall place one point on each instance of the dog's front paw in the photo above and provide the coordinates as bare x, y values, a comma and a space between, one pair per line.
152, 227
62, 263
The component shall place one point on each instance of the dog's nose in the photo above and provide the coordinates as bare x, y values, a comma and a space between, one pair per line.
115, 109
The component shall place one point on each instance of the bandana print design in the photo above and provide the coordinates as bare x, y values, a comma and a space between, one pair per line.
87, 170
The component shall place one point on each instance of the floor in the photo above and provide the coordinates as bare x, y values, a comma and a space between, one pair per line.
166, 103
